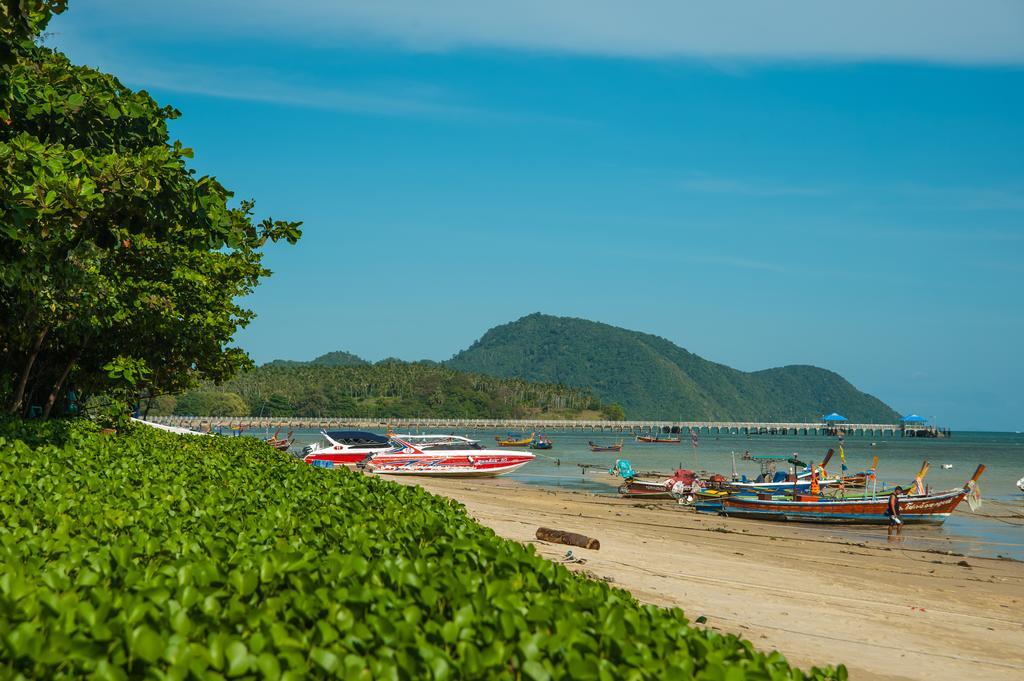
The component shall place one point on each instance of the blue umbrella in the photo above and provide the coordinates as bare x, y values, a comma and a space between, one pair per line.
834, 417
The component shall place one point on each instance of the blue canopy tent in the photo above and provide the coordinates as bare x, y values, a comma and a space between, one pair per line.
834, 418
914, 418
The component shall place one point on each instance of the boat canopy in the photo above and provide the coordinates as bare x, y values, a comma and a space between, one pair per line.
356, 437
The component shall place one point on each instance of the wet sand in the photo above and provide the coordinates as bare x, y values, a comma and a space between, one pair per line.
888, 610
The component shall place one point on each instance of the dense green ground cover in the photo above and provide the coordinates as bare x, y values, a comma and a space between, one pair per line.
150, 555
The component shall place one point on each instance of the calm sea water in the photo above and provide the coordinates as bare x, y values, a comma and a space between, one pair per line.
899, 461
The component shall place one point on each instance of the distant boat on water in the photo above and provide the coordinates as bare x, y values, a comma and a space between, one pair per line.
657, 439
594, 447
541, 442
515, 440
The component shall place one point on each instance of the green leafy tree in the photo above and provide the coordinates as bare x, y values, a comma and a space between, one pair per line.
613, 412
211, 403
111, 246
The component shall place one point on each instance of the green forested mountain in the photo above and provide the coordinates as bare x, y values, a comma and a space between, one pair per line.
338, 358
654, 378
390, 388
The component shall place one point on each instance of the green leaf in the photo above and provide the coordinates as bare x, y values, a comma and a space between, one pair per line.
146, 644
327, 660
237, 656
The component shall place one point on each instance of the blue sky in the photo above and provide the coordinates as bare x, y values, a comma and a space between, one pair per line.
835, 184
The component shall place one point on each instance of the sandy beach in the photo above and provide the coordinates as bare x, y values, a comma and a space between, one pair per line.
887, 610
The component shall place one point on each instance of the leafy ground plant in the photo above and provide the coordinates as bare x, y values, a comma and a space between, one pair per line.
149, 555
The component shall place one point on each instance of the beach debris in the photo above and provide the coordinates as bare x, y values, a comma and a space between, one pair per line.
964, 563
570, 538
701, 620
569, 558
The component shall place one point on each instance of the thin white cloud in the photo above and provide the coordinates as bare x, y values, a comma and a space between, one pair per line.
291, 89
949, 31
257, 86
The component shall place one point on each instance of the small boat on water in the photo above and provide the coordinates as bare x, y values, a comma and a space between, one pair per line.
927, 508
445, 456
515, 440
657, 439
1020, 484
541, 442
594, 447
345, 448
281, 444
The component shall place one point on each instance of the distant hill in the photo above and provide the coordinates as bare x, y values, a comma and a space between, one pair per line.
338, 358
654, 378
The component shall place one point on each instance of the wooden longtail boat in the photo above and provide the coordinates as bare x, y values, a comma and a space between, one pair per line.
594, 447
658, 440
929, 508
513, 441
633, 488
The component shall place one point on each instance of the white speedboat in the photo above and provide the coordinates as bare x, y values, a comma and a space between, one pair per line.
1020, 484
345, 448
450, 456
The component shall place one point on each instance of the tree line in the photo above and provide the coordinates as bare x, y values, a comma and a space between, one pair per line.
385, 389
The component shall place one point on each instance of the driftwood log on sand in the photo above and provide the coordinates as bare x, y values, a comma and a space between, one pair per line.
570, 538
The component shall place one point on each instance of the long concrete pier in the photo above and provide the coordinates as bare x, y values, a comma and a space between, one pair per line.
540, 425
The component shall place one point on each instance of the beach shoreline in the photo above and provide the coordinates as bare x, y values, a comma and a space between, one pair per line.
887, 610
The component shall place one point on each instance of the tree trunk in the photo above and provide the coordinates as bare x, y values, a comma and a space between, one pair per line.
19, 393
52, 399
571, 538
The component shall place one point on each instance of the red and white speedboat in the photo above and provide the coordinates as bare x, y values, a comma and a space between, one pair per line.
449, 456
346, 448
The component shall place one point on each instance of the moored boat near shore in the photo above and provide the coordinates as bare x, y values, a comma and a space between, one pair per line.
680, 482
449, 456
929, 508
345, 448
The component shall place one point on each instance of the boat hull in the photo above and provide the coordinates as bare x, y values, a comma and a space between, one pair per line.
457, 465
933, 509
348, 459
640, 489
